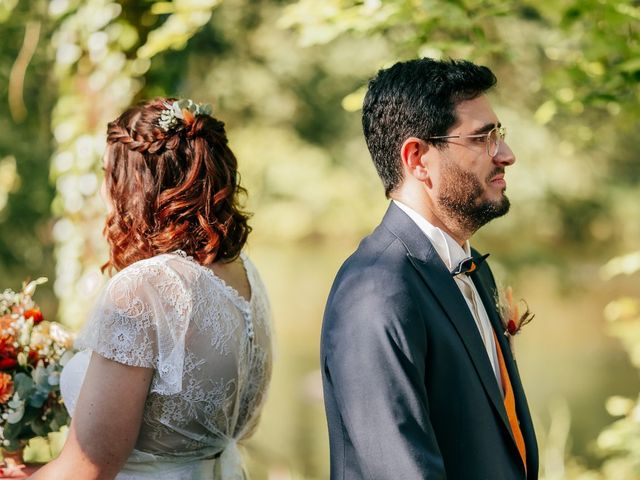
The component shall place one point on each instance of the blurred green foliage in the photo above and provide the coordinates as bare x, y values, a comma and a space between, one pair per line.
620, 442
568, 69
288, 79
25, 150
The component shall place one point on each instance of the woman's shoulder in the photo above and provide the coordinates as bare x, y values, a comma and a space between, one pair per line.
177, 274
147, 265
162, 267
149, 294
166, 279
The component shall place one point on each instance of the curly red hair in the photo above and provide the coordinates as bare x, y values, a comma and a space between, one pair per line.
171, 189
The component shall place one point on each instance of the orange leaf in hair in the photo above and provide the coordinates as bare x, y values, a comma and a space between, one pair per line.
188, 116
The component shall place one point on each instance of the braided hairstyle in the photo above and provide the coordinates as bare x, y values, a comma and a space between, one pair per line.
171, 188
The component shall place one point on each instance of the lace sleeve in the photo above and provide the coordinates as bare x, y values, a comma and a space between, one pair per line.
140, 319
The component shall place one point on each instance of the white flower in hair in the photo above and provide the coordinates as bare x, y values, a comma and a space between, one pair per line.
174, 114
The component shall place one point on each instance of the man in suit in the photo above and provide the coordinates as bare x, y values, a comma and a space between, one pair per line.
419, 379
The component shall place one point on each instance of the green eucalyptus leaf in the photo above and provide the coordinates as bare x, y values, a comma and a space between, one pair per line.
61, 416
38, 398
40, 427
53, 425
16, 415
12, 431
23, 384
30, 414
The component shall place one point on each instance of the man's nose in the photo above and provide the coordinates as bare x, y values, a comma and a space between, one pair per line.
504, 156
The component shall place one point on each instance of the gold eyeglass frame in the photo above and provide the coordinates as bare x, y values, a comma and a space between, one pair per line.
501, 131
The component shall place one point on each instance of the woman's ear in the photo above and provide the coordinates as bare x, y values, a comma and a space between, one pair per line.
414, 153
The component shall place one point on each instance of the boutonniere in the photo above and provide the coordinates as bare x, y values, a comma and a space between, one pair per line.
514, 315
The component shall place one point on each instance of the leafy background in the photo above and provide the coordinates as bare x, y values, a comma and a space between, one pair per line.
288, 79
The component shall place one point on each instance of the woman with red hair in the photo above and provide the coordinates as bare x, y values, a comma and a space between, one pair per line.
176, 357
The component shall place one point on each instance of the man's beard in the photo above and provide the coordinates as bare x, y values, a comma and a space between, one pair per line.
461, 198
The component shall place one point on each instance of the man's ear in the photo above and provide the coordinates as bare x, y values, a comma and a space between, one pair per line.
414, 158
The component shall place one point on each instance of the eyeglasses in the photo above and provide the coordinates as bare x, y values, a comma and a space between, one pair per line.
493, 139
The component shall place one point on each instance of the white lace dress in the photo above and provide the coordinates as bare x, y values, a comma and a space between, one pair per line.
211, 352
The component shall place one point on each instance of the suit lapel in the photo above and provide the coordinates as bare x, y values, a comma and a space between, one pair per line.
434, 273
524, 417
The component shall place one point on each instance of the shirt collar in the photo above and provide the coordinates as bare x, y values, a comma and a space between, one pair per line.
448, 249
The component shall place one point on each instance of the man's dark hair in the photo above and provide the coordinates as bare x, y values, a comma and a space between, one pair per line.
416, 98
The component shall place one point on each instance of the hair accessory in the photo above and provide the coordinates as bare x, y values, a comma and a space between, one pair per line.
175, 113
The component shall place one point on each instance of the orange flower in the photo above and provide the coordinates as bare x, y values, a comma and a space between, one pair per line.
5, 322
8, 352
6, 387
34, 313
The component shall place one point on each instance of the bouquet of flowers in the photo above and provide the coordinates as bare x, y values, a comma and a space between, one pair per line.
32, 354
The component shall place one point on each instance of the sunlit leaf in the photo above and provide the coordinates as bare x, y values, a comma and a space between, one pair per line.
545, 112
353, 101
6, 8
623, 265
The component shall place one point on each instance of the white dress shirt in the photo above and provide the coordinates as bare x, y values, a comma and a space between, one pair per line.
452, 254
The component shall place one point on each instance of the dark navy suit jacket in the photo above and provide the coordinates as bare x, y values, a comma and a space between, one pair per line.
408, 387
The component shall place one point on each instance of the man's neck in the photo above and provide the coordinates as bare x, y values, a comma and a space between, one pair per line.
422, 206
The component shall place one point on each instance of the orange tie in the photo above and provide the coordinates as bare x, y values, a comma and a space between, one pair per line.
510, 405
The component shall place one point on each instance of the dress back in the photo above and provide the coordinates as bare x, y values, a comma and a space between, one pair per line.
210, 349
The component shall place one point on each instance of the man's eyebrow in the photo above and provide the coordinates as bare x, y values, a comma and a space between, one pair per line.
485, 128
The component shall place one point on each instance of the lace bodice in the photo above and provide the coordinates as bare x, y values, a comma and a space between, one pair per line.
210, 349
